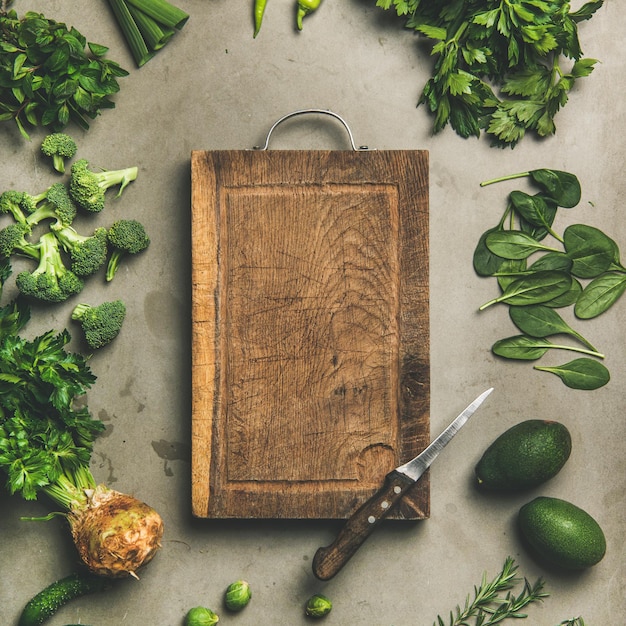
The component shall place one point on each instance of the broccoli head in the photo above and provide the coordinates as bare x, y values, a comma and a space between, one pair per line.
87, 253
56, 205
60, 147
125, 237
15, 203
87, 188
51, 280
102, 323
13, 241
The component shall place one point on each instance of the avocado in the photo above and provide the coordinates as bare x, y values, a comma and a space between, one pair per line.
561, 534
524, 456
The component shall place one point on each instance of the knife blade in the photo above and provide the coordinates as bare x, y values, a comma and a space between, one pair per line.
330, 559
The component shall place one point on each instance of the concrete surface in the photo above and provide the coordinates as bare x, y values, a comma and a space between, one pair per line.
214, 87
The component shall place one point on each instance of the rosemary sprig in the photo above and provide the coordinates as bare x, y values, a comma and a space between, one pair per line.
489, 607
574, 621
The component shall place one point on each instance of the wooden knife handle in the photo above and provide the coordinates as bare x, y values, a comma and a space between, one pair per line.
329, 560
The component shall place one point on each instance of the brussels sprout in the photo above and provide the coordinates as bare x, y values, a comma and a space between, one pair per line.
199, 616
238, 595
318, 606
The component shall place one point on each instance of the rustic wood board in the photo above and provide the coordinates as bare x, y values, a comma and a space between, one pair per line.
310, 330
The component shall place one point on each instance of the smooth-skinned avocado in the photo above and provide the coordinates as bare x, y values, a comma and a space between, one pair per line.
561, 534
526, 455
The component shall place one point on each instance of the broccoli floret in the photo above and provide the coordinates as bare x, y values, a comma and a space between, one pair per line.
56, 205
60, 147
102, 323
87, 253
51, 280
125, 237
14, 203
87, 188
13, 241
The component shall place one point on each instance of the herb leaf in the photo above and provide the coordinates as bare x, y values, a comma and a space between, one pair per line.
581, 373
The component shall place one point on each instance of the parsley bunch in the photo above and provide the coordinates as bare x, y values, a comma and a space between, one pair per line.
499, 64
45, 438
50, 75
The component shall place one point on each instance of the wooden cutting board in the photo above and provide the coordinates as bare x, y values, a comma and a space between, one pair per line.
310, 321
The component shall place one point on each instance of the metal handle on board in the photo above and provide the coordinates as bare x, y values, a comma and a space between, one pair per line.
316, 111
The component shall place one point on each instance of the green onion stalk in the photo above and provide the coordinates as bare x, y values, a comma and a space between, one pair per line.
147, 25
46, 440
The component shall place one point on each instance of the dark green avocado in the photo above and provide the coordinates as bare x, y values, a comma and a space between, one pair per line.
561, 534
524, 456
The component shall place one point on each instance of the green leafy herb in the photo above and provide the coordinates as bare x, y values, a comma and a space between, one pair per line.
541, 321
50, 75
580, 374
525, 348
536, 278
489, 606
498, 65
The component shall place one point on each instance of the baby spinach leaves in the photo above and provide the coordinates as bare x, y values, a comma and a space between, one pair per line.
581, 269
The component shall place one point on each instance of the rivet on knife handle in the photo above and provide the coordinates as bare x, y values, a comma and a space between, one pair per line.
329, 560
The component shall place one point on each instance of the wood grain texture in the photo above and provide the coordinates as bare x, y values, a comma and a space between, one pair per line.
310, 330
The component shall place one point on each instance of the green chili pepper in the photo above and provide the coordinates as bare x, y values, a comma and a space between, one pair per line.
259, 10
304, 8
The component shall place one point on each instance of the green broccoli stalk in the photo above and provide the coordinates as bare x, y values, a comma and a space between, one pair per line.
56, 205
13, 241
101, 324
51, 281
59, 147
87, 253
125, 237
87, 188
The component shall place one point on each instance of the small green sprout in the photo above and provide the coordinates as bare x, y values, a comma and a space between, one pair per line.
318, 606
237, 595
200, 616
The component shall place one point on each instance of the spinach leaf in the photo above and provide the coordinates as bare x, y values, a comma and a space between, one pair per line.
600, 294
552, 261
562, 187
568, 298
514, 244
526, 348
534, 289
486, 263
580, 373
541, 321
592, 252
536, 211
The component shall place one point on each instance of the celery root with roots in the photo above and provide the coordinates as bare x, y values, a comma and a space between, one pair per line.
46, 441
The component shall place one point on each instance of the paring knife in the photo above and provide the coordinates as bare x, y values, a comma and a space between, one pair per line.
329, 560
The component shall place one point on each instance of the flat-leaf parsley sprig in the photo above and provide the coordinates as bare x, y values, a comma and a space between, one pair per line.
499, 64
489, 606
